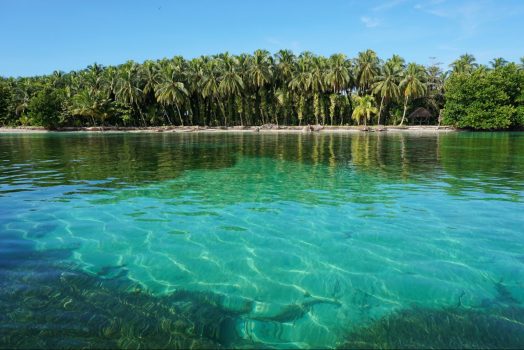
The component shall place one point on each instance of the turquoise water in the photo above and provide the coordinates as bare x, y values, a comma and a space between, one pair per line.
295, 240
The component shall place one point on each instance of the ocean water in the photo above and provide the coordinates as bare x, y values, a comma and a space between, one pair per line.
261, 240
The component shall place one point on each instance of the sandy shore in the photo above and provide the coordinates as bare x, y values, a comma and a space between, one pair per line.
237, 129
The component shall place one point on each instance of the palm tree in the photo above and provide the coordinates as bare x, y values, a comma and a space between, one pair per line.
498, 62
195, 77
127, 87
209, 85
317, 85
260, 74
338, 77
367, 66
170, 90
284, 70
397, 62
231, 82
386, 85
285, 64
110, 79
301, 83
260, 70
465, 64
149, 74
435, 88
88, 103
365, 107
57, 79
412, 85
21, 96
92, 77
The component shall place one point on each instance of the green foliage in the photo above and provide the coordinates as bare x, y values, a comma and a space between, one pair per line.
485, 99
412, 85
5, 98
261, 88
45, 108
364, 108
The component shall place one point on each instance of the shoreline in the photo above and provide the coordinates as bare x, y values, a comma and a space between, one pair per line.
234, 129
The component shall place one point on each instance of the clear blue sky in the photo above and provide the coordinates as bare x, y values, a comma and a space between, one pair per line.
40, 36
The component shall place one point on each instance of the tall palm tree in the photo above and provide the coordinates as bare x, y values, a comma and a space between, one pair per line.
260, 70
285, 64
397, 62
364, 109
149, 74
338, 73
301, 83
57, 79
435, 88
209, 86
260, 75
412, 85
386, 85
231, 82
92, 77
367, 67
318, 85
498, 62
128, 87
465, 64
284, 70
91, 104
195, 77
338, 77
170, 90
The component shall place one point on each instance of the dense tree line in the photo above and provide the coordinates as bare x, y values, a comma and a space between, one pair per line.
482, 98
261, 88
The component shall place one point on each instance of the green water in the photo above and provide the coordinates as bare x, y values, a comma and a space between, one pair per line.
262, 240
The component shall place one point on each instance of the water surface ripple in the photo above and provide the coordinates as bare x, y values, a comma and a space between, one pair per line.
273, 240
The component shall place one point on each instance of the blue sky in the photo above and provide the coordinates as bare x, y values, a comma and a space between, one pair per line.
41, 36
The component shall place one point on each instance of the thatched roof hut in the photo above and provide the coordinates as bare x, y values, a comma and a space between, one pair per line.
420, 115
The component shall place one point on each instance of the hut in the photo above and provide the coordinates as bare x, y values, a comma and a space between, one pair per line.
420, 115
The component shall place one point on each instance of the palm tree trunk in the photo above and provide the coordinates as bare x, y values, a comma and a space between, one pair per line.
190, 115
179, 115
405, 109
241, 121
141, 114
167, 115
380, 109
223, 109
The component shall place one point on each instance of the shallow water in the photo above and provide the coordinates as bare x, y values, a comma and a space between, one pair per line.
276, 240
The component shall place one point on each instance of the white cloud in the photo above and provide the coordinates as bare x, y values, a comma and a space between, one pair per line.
370, 22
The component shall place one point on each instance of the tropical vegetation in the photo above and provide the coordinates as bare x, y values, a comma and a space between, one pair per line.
260, 88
